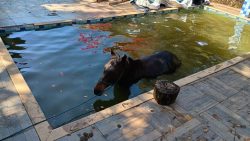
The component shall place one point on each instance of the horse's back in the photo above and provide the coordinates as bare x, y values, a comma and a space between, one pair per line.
163, 62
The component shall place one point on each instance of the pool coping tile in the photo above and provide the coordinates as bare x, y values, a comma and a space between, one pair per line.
34, 111
53, 24
27, 98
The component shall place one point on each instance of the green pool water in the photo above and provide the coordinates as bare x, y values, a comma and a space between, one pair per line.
62, 65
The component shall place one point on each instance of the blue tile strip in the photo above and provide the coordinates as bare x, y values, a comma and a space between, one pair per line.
22, 28
58, 25
41, 26
80, 21
245, 10
235, 39
2, 31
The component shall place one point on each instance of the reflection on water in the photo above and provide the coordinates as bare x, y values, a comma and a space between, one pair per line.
234, 41
121, 93
62, 65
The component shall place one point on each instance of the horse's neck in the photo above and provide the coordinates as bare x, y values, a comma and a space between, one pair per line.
137, 68
134, 72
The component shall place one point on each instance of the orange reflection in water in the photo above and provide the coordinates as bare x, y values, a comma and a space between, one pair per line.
128, 47
100, 26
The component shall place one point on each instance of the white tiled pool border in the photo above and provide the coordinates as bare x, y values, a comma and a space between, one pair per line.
34, 111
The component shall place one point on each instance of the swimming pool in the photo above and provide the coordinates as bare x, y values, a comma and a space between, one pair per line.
62, 65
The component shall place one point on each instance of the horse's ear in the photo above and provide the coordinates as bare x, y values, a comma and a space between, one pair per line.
124, 58
130, 59
112, 52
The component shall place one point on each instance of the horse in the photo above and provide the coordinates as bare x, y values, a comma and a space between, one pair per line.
126, 71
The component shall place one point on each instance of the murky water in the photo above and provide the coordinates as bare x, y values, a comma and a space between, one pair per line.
62, 65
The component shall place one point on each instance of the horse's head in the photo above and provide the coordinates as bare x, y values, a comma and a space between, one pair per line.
113, 71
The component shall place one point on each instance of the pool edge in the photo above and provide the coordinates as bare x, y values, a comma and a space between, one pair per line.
59, 23
54, 24
44, 129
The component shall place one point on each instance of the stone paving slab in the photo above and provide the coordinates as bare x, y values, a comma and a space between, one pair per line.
90, 133
233, 79
13, 116
28, 135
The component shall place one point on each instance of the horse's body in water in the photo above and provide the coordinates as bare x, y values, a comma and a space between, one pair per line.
126, 71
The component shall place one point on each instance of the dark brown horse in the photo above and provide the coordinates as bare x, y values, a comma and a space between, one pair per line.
125, 71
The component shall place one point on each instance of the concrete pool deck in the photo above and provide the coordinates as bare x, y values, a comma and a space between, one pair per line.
222, 93
22, 12
14, 13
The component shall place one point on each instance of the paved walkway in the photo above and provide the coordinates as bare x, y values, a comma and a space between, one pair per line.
215, 108
13, 116
15, 12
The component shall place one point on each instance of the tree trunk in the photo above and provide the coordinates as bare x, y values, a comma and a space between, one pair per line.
165, 93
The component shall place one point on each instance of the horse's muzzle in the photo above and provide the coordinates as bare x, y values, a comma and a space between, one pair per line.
98, 92
99, 88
